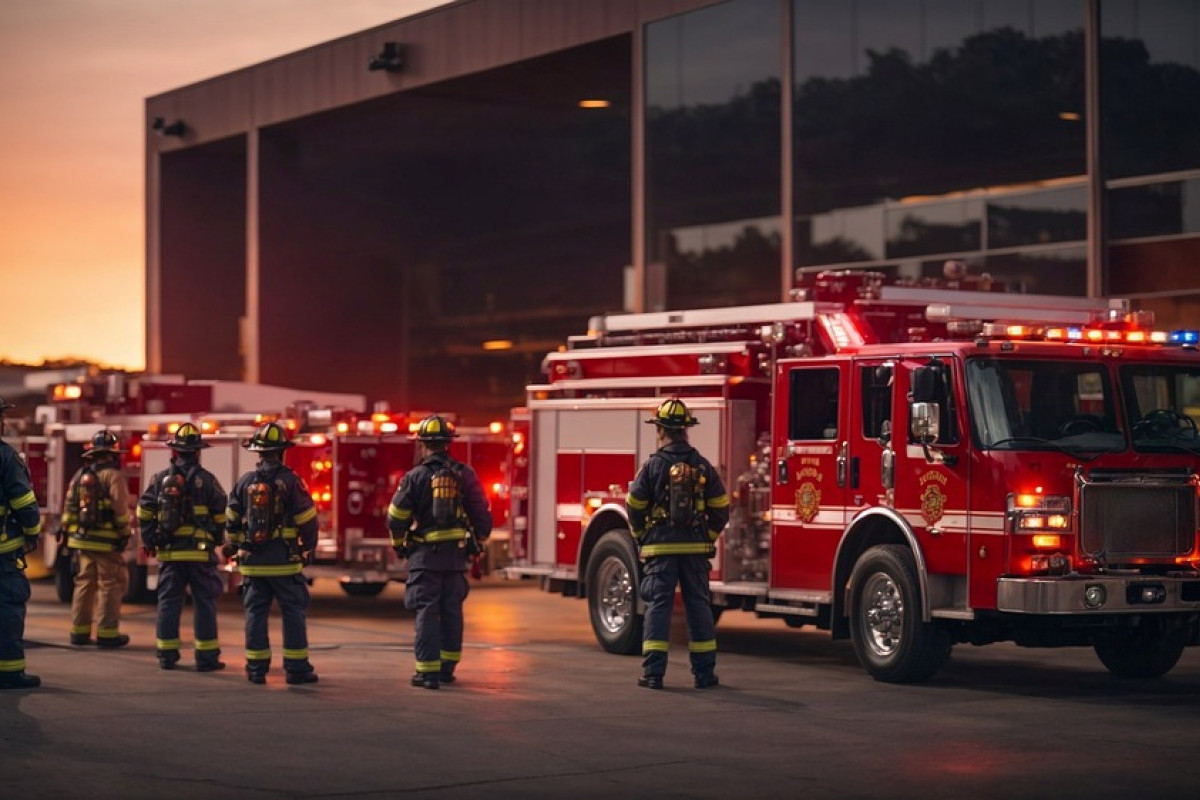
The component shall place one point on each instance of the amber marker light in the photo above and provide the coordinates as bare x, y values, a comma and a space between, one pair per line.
498, 344
1047, 541
495, 427
594, 103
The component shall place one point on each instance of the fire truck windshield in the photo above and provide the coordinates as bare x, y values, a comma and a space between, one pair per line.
1043, 405
1163, 403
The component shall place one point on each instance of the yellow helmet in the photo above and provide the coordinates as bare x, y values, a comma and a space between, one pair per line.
435, 429
268, 436
673, 414
186, 438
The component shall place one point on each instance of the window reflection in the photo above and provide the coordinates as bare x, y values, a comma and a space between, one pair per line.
713, 156
915, 118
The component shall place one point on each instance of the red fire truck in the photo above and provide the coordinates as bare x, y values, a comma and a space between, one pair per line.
350, 460
909, 467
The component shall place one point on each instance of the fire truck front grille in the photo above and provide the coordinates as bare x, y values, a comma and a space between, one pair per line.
1122, 521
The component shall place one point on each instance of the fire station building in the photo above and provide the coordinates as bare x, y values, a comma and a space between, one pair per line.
420, 211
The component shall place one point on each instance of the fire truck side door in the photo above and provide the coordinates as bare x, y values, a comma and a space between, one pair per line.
813, 474
874, 409
933, 495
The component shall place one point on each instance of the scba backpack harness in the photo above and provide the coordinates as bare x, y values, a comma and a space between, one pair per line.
264, 514
682, 496
91, 493
174, 502
446, 485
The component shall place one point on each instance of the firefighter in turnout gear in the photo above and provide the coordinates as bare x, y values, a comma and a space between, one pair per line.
182, 518
677, 507
19, 528
272, 527
96, 525
438, 519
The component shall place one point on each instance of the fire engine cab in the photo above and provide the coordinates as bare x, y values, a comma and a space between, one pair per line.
909, 467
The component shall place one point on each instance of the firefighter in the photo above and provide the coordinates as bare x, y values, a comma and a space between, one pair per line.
182, 519
19, 527
272, 527
677, 507
96, 527
438, 518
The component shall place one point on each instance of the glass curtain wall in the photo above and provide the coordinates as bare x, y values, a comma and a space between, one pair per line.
1150, 101
926, 131
713, 146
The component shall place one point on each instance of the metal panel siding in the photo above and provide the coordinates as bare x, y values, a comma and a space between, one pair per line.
599, 430
542, 487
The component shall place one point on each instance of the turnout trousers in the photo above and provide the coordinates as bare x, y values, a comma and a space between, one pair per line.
174, 579
437, 596
102, 580
14, 594
292, 593
661, 575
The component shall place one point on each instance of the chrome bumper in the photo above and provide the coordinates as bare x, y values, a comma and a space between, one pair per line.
1122, 594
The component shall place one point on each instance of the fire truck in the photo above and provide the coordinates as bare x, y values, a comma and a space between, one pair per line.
140, 410
909, 467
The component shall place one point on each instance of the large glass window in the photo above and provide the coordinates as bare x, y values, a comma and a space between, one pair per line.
936, 126
1150, 79
713, 156
1163, 404
1042, 405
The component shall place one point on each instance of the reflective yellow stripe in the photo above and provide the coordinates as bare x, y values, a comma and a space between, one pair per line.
448, 655
145, 514
107, 633
80, 630
11, 545
655, 646
429, 666
449, 535
635, 503
26, 499
707, 646
674, 549
14, 665
305, 516
182, 555
399, 513
295, 655
258, 655
206, 645
270, 570
200, 511
219, 519
166, 644
231, 515
33, 530
95, 547
720, 501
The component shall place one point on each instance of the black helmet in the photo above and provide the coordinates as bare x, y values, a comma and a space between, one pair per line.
186, 439
269, 436
102, 442
673, 415
435, 429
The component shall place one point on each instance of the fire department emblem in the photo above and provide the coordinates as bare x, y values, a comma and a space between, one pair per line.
808, 501
933, 503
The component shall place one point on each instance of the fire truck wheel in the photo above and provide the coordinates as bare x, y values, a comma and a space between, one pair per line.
1147, 650
612, 589
363, 589
890, 639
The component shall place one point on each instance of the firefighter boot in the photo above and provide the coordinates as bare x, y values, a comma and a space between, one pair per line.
650, 681
295, 678
167, 659
81, 639
256, 670
707, 681
19, 680
427, 680
120, 640
209, 665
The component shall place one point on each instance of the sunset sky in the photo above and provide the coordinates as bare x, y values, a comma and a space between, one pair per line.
73, 78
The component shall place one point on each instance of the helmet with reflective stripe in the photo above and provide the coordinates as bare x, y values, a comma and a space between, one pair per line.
673, 414
186, 438
102, 442
435, 429
269, 436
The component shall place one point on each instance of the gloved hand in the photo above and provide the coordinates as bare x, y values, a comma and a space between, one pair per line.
401, 552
